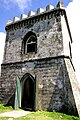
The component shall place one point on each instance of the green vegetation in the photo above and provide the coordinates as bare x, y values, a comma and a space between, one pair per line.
39, 115
4, 118
5, 108
47, 116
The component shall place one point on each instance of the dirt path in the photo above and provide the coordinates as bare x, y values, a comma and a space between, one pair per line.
15, 113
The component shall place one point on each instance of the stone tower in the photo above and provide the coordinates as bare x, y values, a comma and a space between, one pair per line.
38, 51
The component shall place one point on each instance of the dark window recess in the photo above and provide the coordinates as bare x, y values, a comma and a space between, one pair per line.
31, 47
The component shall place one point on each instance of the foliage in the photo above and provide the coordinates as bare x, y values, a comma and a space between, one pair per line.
5, 118
5, 108
39, 115
47, 116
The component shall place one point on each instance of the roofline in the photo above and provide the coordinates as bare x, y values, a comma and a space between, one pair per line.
39, 15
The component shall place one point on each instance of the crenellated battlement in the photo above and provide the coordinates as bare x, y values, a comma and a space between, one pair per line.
33, 17
38, 52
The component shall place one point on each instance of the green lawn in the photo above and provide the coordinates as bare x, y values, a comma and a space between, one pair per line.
2, 118
39, 115
47, 116
4, 109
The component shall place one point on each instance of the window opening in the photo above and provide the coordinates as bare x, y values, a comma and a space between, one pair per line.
30, 45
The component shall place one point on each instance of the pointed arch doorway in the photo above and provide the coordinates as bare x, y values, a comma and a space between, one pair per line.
28, 92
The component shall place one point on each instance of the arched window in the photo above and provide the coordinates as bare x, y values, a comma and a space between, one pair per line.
30, 43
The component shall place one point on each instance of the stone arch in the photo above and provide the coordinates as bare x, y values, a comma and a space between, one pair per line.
29, 42
28, 89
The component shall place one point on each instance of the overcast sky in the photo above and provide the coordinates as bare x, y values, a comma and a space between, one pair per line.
11, 8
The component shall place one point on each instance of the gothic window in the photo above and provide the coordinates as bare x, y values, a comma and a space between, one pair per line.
30, 43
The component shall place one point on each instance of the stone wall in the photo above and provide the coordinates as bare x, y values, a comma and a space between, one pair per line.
50, 65
66, 37
53, 90
74, 85
49, 33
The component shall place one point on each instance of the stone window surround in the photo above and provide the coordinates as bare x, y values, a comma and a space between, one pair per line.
30, 43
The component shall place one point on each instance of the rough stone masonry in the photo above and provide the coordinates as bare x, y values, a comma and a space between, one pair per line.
38, 51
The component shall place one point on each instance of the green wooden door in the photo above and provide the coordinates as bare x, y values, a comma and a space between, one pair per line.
17, 102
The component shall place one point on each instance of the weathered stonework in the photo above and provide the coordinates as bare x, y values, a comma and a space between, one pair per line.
49, 36
50, 65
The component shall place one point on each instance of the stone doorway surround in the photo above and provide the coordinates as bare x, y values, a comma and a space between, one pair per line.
28, 89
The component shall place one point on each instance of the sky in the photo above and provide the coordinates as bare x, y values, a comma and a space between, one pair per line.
11, 8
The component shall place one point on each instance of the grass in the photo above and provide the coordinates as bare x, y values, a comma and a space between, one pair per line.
47, 116
4, 109
39, 115
4, 118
